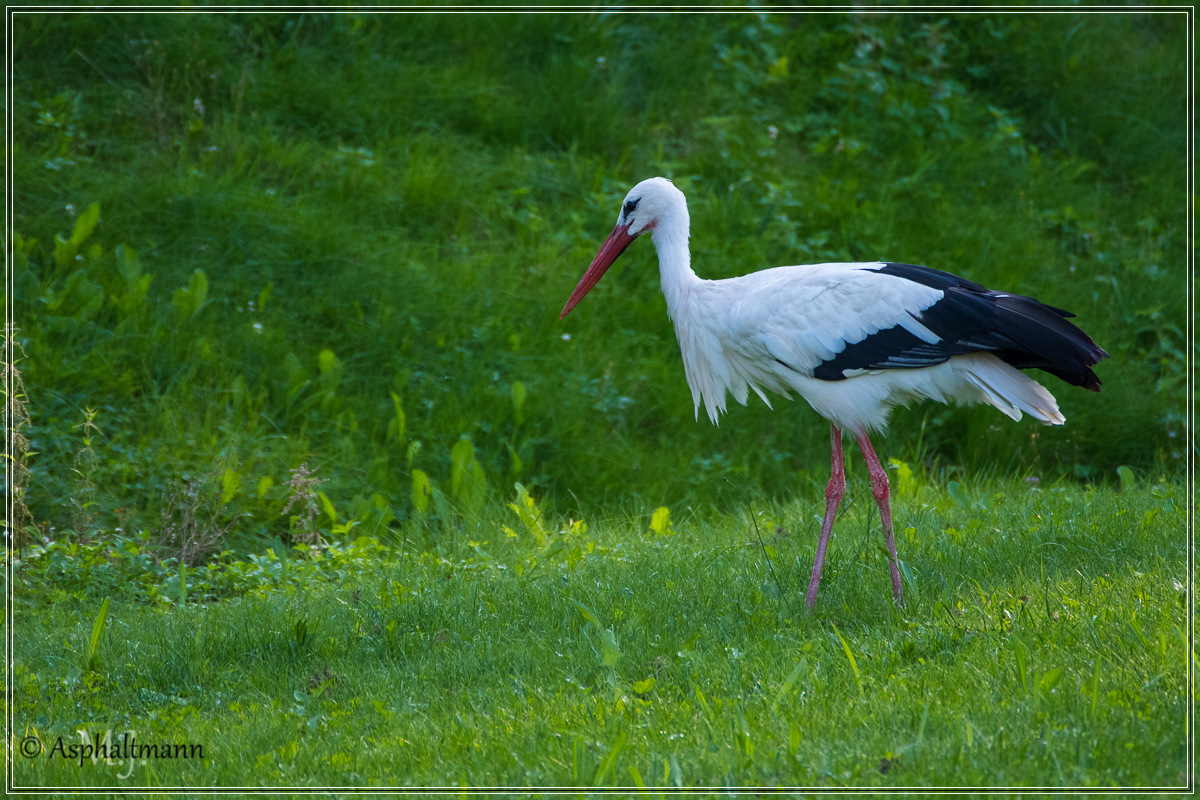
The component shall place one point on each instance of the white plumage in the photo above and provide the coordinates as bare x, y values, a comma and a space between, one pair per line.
769, 330
853, 339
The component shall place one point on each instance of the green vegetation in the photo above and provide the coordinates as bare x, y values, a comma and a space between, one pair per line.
1043, 643
316, 478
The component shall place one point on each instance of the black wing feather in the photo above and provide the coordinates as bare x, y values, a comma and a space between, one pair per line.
968, 319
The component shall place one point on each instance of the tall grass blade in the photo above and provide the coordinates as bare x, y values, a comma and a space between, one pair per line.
581, 760
787, 683
610, 760
853, 664
700, 698
1020, 653
92, 657
909, 579
586, 612
638, 782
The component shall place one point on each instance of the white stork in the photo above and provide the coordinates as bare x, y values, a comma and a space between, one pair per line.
853, 339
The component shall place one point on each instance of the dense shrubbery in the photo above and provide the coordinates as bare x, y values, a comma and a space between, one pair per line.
344, 239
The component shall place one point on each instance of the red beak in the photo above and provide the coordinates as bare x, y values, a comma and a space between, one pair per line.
613, 246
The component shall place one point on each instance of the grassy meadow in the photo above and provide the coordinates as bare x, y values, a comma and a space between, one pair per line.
306, 471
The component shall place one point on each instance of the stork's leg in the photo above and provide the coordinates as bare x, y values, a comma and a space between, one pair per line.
833, 495
879, 488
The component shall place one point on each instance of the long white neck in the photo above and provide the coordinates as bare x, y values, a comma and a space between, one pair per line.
687, 297
670, 239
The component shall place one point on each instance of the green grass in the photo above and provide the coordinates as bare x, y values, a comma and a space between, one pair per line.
249, 245
1043, 643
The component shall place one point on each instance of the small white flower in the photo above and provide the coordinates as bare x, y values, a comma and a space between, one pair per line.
772, 131
258, 328
601, 62
566, 337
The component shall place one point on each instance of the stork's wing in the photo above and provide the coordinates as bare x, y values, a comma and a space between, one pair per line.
835, 321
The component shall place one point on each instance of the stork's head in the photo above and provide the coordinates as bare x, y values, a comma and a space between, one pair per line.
650, 203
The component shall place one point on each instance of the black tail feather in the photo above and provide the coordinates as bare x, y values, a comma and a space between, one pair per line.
1022, 331
1043, 339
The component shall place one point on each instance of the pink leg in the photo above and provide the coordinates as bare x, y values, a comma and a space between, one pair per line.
879, 488
833, 495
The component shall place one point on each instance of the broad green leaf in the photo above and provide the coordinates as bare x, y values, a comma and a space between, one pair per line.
1050, 679
63, 252
78, 298
422, 489
189, 300
518, 400
1127, 478
229, 485
906, 484
327, 507
642, 687
84, 225
198, 286
327, 361
610, 651
262, 297
475, 487
400, 420
128, 264
461, 455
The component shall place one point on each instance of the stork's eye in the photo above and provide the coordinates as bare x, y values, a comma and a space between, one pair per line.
630, 206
